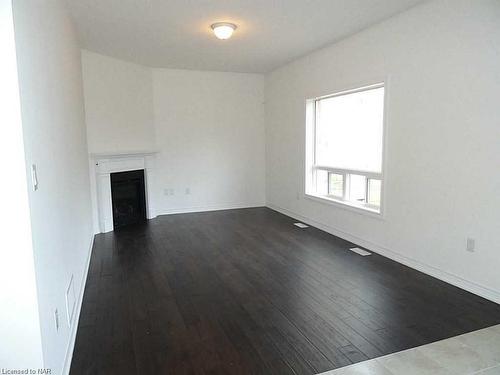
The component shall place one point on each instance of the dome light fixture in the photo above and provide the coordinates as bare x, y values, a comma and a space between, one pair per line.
223, 30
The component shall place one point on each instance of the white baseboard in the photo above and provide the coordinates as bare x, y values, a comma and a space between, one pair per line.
192, 209
470, 286
76, 318
231, 206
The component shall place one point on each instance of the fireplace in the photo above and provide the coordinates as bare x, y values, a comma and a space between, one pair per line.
107, 164
128, 198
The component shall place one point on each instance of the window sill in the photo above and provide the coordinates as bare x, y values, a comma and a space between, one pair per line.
366, 211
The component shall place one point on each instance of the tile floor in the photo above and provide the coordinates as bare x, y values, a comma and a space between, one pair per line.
476, 352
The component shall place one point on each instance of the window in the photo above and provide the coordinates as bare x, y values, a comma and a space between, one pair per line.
344, 147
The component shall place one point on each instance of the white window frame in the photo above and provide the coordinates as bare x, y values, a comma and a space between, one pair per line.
311, 166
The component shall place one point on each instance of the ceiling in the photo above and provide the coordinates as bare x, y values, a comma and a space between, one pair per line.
176, 33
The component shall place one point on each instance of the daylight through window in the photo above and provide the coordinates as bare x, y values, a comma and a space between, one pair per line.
345, 146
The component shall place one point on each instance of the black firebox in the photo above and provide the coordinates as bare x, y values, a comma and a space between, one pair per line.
129, 198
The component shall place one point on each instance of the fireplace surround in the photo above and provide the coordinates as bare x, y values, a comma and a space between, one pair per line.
106, 164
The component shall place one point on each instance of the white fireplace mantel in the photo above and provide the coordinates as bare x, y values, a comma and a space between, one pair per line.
107, 163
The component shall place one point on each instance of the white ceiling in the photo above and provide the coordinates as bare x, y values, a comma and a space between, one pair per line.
176, 33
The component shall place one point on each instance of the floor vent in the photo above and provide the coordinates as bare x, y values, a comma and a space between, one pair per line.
301, 225
359, 251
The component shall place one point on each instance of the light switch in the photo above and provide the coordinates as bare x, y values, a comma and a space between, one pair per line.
34, 177
471, 245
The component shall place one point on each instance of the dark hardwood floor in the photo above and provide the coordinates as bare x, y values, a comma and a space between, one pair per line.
247, 292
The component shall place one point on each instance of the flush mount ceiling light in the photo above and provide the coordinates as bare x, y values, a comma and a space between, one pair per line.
223, 30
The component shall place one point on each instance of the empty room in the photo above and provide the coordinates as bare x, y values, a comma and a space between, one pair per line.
250, 187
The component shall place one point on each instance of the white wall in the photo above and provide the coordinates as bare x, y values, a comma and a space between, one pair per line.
20, 336
443, 132
50, 82
118, 104
210, 131
207, 126
118, 110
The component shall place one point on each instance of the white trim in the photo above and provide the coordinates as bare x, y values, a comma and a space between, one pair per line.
70, 309
372, 86
385, 144
448, 277
121, 154
372, 175
76, 319
121, 162
230, 206
347, 205
310, 167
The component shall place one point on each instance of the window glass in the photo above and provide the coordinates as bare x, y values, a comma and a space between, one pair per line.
374, 191
357, 188
336, 185
344, 147
349, 130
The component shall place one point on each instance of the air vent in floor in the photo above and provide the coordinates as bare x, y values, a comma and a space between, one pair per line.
359, 251
301, 225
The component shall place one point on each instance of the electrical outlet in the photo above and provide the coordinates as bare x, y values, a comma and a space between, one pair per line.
168, 191
56, 319
471, 245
